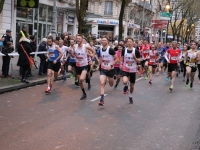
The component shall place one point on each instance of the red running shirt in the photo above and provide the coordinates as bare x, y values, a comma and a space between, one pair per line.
173, 55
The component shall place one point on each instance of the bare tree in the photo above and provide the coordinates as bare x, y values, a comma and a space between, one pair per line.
121, 15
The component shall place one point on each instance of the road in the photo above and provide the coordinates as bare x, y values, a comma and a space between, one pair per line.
158, 119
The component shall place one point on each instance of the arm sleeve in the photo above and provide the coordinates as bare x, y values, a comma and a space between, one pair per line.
137, 54
112, 51
166, 56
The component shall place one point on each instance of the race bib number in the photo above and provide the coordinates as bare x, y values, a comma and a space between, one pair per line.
191, 64
79, 59
146, 52
52, 55
152, 60
173, 58
129, 64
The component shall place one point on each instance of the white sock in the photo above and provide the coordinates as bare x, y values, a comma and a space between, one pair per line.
131, 95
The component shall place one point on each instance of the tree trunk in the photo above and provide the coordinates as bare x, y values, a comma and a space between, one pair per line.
121, 19
1, 5
81, 6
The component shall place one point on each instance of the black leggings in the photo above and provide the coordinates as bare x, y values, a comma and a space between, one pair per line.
199, 71
183, 68
25, 70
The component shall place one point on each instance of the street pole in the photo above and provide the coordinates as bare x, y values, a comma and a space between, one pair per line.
143, 18
53, 30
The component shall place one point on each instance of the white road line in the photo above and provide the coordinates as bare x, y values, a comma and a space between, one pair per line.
98, 98
95, 99
139, 79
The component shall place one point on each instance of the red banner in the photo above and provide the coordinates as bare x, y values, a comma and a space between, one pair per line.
159, 26
160, 21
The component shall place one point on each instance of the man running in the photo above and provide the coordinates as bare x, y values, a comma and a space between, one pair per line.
190, 60
145, 52
72, 62
117, 65
129, 59
107, 61
81, 54
54, 54
172, 56
161, 52
63, 60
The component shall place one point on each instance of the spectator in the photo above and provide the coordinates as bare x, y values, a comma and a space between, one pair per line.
43, 65
6, 59
23, 60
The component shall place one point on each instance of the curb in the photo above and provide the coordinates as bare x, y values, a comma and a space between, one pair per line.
24, 85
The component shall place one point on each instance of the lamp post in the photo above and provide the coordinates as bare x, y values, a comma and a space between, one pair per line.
168, 10
144, 1
53, 30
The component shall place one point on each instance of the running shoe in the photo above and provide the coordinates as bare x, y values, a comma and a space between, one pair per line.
84, 96
131, 100
187, 82
167, 78
101, 103
146, 77
115, 87
150, 82
191, 85
76, 83
126, 89
48, 90
171, 88
71, 75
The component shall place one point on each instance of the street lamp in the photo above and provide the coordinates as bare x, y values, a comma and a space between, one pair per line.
167, 7
143, 15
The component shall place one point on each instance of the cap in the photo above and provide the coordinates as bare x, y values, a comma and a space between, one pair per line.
8, 31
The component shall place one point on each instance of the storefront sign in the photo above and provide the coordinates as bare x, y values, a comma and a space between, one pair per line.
107, 22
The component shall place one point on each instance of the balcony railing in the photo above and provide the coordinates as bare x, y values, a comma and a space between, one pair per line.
109, 13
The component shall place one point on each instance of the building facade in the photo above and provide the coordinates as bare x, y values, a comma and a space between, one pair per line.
38, 21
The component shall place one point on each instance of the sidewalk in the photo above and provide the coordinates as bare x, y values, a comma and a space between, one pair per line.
14, 83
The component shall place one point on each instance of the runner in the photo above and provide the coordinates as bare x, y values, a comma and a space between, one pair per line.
161, 52
182, 64
63, 60
191, 64
145, 51
80, 54
54, 54
107, 61
117, 65
72, 62
172, 56
153, 58
129, 59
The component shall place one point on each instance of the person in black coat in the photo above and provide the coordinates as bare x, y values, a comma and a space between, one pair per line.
23, 60
6, 59
43, 65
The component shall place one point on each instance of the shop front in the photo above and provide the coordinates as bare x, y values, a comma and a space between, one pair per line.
108, 27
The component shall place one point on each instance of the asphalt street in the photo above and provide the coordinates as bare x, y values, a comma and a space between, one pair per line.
158, 119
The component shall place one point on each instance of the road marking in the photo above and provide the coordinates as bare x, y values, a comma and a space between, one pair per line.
95, 99
139, 79
98, 98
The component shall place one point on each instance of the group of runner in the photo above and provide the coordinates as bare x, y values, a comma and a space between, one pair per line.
125, 60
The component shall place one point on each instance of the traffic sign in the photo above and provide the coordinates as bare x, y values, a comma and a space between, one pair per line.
159, 21
28, 3
165, 14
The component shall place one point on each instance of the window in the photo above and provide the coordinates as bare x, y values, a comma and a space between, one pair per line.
108, 8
